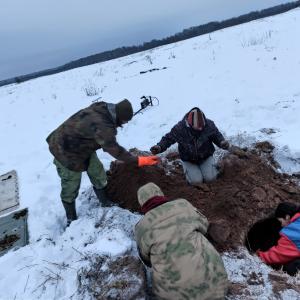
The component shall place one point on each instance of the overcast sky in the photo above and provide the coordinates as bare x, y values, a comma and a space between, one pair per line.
40, 34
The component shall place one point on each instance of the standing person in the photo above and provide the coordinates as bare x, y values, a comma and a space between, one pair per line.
195, 135
170, 238
287, 251
74, 144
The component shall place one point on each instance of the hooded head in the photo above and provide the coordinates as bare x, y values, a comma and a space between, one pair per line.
147, 192
285, 211
286, 208
195, 119
124, 112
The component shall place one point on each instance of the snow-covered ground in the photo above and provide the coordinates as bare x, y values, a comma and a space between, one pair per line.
245, 78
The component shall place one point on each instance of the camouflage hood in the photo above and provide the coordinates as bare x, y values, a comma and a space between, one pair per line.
147, 192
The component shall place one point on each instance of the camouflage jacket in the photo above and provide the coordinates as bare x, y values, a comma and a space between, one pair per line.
193, 146
185, 265
91, 128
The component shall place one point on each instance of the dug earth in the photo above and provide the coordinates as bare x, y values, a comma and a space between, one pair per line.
248, 189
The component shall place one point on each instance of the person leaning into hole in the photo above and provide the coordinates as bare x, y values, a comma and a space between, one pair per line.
286, 253
195, 135
74, 144
171, 239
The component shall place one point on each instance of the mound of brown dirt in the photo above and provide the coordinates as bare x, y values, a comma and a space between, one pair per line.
248, 189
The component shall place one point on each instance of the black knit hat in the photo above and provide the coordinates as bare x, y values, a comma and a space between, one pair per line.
124, 111
286, 208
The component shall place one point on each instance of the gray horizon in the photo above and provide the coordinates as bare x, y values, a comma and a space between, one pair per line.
40, 35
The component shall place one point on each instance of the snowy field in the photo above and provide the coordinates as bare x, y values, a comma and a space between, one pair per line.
245, 78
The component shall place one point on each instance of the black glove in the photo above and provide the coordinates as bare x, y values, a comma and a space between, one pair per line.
224, 145
155, 149
240, 152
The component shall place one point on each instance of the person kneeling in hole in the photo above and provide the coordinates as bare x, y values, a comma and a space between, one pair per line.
171, 239
287, 251
195, 135
75, 142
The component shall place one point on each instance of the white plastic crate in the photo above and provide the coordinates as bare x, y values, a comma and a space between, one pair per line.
9, 192
13, 221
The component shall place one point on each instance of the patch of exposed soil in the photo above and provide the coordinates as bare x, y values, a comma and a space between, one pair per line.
248, 189
265, 150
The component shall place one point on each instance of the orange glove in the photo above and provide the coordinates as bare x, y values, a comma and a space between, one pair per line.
148, 160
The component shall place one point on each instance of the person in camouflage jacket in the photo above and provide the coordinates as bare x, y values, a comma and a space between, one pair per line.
74, 144
171, 239
195, 135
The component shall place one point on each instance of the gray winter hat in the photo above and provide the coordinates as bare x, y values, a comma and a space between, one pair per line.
147, 192
124, 111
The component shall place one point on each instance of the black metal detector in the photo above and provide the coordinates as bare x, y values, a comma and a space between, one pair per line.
147, 101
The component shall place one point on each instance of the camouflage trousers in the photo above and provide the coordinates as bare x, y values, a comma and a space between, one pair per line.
70, 180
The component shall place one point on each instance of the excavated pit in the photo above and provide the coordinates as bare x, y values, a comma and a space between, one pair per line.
247, 190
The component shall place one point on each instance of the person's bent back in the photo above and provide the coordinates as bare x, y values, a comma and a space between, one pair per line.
170, 238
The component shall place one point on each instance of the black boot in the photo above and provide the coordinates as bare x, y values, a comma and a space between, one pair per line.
103, 197
70, 212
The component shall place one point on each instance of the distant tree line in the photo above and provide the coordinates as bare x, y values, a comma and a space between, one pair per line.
185, 34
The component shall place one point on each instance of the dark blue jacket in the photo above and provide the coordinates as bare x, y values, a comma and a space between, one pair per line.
193, 145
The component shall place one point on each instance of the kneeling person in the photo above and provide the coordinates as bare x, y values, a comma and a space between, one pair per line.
170, 238
195, 135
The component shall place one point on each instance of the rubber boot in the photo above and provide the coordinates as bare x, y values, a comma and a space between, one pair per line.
70, 212
103, 197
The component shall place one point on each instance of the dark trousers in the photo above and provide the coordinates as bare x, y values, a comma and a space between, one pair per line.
292, 267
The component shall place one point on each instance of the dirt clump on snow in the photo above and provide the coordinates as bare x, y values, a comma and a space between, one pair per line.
248, 189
